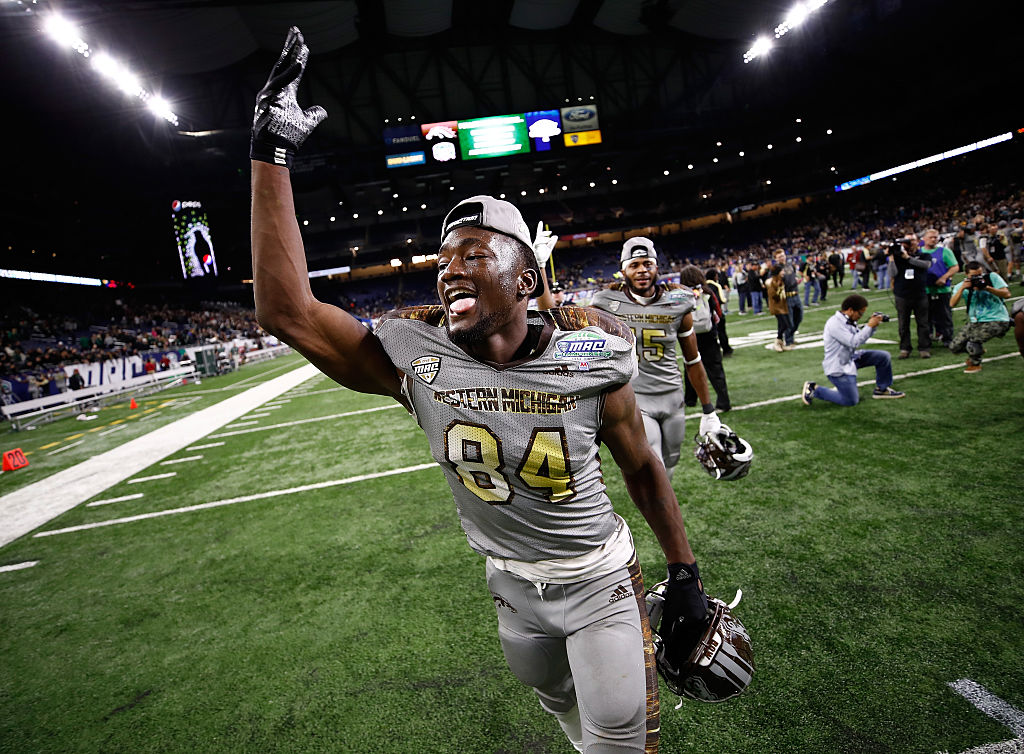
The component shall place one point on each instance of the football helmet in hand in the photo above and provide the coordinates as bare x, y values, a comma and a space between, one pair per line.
723, 454
719, 667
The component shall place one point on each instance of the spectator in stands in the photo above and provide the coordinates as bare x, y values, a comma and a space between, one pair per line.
987, 317
937, 285
909, 275
76, 381
704, 320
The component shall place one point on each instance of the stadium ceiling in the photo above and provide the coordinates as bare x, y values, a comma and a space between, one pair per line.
657, 68
888, 80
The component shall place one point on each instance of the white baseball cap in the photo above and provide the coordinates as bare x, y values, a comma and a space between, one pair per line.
490, 213
637, 247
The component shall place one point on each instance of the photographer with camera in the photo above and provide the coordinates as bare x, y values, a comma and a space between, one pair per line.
909, 270
940, 273
843, 358
987, 317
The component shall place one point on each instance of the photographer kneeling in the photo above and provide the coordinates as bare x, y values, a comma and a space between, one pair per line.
987, 317
843, 359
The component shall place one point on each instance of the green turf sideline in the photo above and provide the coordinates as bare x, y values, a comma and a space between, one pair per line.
32, 506
242, 499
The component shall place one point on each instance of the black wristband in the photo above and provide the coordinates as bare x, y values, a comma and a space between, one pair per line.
708, 408
275, 154
684, 574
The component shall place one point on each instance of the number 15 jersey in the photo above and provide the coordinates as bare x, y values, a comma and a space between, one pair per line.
518, 443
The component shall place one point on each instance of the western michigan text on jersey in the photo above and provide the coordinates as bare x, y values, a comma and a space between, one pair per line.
509, 400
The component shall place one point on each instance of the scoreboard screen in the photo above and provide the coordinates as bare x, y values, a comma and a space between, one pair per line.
192, 235
449, 141
493, 137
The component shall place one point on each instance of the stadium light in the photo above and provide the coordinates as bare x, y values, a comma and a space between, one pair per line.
396, 262
690, 166
999, 139
762, 46
66, 34
796, 16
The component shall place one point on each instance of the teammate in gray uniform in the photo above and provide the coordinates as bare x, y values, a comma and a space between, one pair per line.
515, 405
659, 315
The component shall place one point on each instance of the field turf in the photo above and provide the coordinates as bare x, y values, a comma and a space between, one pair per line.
879, 549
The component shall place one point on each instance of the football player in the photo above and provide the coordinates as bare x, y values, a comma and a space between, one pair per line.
660, 315
514, 405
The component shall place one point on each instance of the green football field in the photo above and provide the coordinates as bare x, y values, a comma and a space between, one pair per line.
291, 595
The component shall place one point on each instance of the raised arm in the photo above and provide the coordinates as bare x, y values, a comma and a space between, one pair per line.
338, 344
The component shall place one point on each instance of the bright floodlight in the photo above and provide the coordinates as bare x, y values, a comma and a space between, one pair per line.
65, 33
760, 47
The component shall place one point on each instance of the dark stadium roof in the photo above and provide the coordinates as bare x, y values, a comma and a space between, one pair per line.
892, 77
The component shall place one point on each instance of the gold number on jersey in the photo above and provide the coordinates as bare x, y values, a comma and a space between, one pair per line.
475, 454
646, 347
474, 451
546, 465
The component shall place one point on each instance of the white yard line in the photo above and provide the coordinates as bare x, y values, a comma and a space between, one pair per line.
115, 428
307, 421
207, 445
991, 705
186, 459
66, 447
233, 500
19, 566
256, 416
242, 424
152, 478
32, 506
110, 500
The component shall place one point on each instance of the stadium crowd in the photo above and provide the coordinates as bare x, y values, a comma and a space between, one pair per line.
36, 348
825, 241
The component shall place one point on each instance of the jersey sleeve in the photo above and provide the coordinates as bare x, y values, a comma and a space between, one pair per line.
396, 332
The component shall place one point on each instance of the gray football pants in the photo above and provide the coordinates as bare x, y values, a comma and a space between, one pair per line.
665, 425
586, 644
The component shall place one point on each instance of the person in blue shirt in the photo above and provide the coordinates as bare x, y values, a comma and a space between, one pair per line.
843, 357
987, 317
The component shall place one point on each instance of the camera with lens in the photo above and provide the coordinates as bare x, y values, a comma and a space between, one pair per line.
979, 282
885, 317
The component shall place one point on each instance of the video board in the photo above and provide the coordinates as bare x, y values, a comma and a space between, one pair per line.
496, 136
192, 235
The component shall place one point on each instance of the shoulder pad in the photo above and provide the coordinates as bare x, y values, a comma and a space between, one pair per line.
432, 315
578, 317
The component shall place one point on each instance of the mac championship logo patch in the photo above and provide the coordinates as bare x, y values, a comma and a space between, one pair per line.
426, 368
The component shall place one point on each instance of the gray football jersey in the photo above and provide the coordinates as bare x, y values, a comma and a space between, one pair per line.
518, 443
655, 326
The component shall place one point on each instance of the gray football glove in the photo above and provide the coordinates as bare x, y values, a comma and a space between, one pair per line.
279, 125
